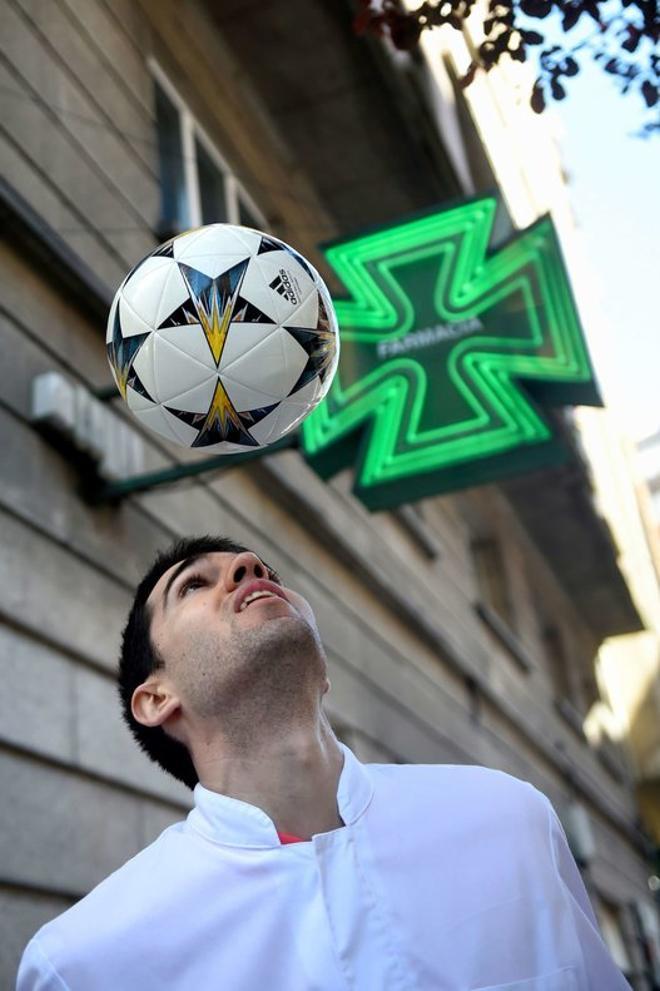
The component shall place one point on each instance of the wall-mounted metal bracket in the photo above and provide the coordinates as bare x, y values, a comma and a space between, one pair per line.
107, 492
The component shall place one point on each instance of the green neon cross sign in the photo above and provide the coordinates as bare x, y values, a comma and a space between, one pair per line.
448, 355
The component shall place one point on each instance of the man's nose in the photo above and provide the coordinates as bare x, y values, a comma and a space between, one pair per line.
245, 565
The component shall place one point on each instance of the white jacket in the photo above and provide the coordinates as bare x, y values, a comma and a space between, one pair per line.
444, 878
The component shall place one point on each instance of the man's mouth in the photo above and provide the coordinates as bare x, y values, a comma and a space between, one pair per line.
253, 596
260, 588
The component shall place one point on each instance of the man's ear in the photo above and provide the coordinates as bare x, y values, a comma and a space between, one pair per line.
152, 704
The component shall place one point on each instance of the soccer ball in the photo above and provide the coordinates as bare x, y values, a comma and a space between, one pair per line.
224, 338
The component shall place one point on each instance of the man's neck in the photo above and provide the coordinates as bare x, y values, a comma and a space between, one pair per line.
294, 781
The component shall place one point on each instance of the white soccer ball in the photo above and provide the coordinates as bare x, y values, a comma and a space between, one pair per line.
224, 338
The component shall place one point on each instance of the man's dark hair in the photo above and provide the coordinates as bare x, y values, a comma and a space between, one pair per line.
139, 659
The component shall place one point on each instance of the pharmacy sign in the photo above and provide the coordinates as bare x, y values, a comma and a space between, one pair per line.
449, 355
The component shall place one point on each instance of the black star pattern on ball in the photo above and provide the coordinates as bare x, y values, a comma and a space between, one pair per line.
122, 352
215, 304
266, 244
222, 422
320, 346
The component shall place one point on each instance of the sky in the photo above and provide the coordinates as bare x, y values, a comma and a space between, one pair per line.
614, 188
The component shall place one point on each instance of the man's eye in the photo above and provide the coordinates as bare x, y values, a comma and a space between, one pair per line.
193, 581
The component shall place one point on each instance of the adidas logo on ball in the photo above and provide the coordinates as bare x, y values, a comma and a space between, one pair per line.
282, 284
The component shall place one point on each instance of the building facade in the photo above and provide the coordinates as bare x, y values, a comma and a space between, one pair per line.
463, 629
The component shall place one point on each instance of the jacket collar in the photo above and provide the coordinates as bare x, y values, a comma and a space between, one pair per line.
232, 822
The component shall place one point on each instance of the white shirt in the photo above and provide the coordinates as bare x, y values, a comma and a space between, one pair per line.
444, 878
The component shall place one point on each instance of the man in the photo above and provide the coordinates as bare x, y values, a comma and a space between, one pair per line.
300, 868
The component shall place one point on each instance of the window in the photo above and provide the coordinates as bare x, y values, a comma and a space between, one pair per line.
474, 699
494, 605
197, 185
493, 580
555, 651
212, 191
174, 209
246, 216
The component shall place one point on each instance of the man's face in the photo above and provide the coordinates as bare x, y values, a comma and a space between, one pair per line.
228, 630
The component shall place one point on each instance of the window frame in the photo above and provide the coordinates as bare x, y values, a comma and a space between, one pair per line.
192, 130
492, 577
494, 603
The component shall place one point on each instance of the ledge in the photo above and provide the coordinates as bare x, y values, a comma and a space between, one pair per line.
570, 714
609, 756
59, 263
504, 634
420, 532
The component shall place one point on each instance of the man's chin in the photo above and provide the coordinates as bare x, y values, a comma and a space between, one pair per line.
267, 615
287, 624
285, 627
